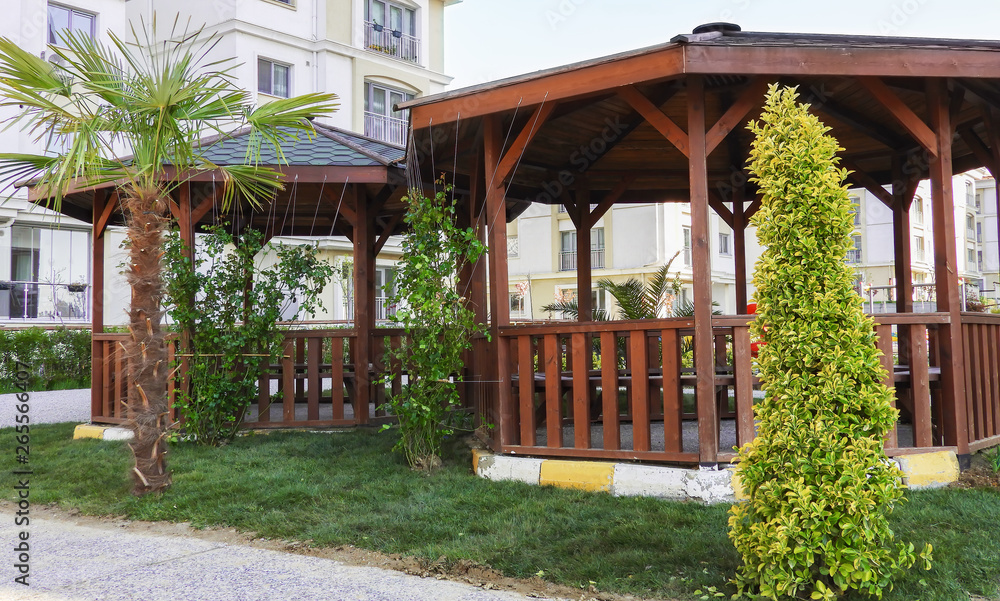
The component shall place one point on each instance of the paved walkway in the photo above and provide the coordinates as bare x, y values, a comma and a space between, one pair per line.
80, 563
50, 407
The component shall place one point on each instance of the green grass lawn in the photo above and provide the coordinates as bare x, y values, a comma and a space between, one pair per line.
348, 488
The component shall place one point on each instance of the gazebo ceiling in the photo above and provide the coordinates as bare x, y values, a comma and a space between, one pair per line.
619, 122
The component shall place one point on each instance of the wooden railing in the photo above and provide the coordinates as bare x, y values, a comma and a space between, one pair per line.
314, 384
981, 334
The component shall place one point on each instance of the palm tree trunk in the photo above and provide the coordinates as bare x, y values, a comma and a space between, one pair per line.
148, 405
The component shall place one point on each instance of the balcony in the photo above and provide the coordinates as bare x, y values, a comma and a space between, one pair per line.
387, 129
393, 43
854, 255
567, 260
42, 302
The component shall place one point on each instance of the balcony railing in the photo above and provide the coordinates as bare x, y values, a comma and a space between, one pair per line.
394, 43
567, 260
387, 129
854, 255
512, 246
44, 302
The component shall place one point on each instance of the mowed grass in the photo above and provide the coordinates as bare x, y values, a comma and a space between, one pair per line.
349, 488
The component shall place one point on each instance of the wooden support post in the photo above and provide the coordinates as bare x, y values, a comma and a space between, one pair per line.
740, 249
701, 257
185, 222
364, 300
953, 393
98, 359
584, 303
496, 225
902, 198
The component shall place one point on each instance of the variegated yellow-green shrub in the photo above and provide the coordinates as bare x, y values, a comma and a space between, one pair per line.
819, 486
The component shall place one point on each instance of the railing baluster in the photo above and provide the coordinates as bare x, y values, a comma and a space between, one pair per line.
580, 371
553, 391
640, 391
883, 342
526, 389
288, 382
920, 385
743, 374
314, 384
337, 376
609, 392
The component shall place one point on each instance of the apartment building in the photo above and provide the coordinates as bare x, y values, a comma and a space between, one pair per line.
634, 241
629, 241
371, 53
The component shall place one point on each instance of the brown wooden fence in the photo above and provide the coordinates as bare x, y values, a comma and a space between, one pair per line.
981, 334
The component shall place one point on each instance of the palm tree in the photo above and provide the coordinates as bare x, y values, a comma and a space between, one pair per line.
155, 100
635, 301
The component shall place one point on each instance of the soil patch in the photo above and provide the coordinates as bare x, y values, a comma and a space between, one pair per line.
979, 475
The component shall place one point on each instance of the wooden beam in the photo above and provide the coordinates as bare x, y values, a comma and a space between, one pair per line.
394, 220
655, 117
583, 263
868, 183
901, 202
869, 127
953, 391
609, 200
520, 144
708, 420
716, 202
110, 202
343, 201
753, 208
902, 113
364, 303
752, 97
980, 150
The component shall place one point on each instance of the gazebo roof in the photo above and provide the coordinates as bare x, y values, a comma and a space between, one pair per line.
617, 124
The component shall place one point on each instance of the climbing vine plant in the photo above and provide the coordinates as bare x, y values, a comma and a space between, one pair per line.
231, 305
438, 324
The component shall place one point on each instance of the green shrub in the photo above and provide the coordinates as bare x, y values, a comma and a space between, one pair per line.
58, 359
438, 324
233, 325
819, 485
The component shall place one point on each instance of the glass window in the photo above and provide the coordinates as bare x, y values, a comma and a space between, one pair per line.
63, 20
724, 244
856, 209
273, 78
918, 214
686, 231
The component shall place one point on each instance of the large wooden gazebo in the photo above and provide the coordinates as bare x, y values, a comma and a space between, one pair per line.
667, 124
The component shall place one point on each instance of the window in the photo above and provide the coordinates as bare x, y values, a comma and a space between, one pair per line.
568, 248
687, 246
970, 254
918, 213
854, 256
918, 246
391, 29
512, 246
979, 262
381, 121
385, 286
970, 224
979, 232
63, 20
724, 244
516, 304
979, 201
562, 208
856, 209
273, 78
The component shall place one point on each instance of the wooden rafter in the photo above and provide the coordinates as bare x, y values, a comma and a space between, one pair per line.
520, 144
111, 202
978, 148
655, 117
346, 211
718, 205
902, 113
869, 183
752, 97
387, 230
609, 200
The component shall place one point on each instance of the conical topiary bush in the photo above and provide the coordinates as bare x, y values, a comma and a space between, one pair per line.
818, 483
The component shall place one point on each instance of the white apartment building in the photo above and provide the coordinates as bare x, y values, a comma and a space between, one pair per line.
371, 53
634, 241
629, 241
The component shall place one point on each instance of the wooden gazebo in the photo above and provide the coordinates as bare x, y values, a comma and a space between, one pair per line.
667, 124
336, 183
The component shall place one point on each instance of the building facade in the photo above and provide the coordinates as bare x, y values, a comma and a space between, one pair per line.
371, 53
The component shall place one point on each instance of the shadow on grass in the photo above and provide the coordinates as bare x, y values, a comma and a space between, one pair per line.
349, 488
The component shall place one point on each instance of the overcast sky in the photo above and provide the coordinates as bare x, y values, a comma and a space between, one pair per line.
492, 39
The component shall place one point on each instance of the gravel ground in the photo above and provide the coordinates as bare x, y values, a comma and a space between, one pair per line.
48, 407
68, 562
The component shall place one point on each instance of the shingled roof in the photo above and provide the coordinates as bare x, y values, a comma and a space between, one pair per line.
329, 146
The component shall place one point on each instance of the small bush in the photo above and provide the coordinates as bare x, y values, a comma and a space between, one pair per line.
819, 485
58, 359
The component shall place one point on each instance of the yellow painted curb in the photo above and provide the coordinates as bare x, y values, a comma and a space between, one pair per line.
583, 475
929, 469
89, 431
737, 484
476, 454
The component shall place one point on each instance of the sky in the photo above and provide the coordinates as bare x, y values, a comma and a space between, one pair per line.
487, 40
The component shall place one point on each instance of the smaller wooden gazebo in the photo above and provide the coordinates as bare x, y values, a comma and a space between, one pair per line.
336, 183
667, 124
